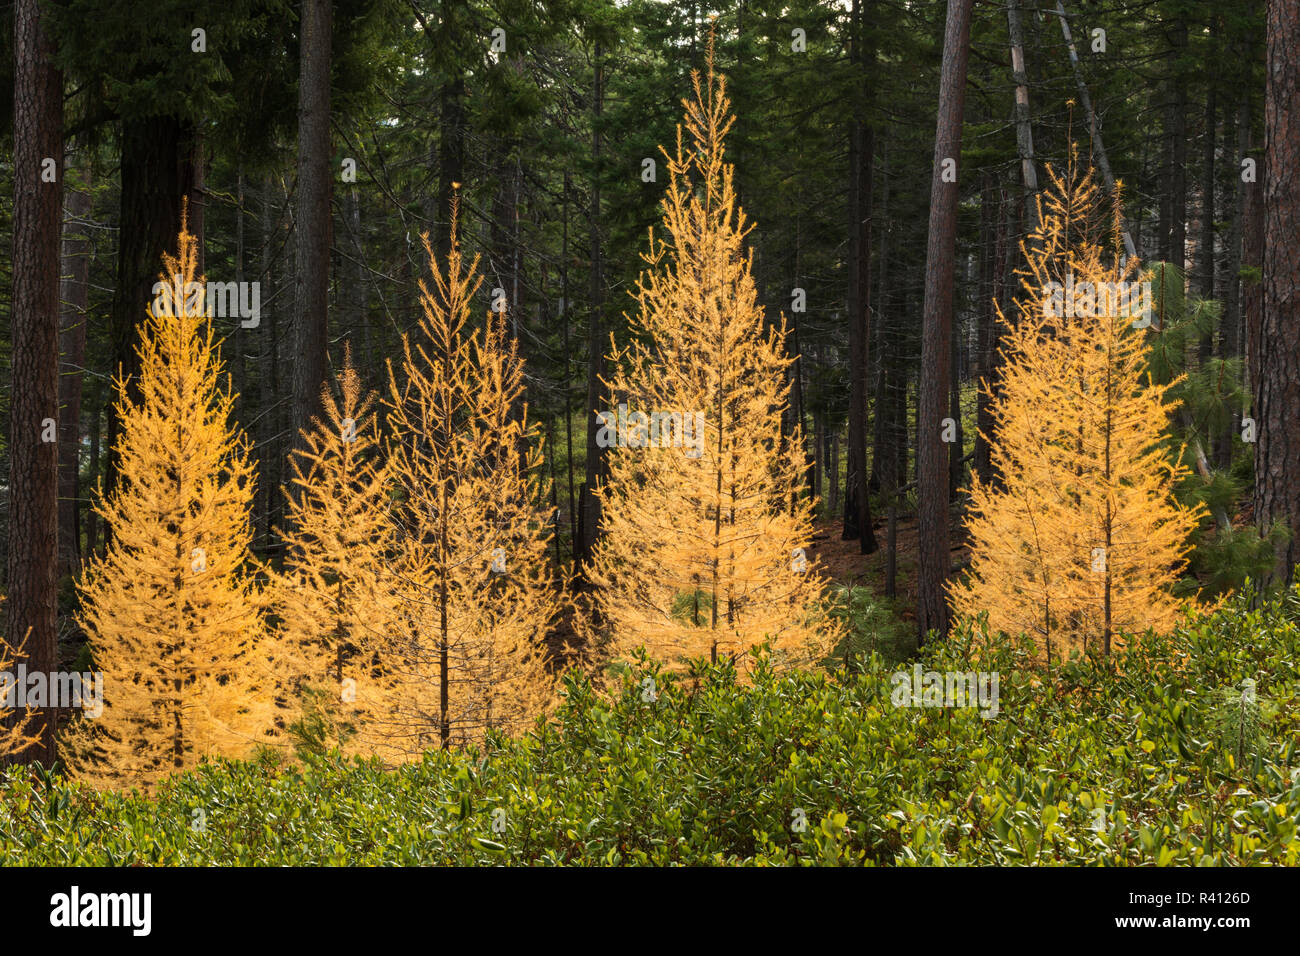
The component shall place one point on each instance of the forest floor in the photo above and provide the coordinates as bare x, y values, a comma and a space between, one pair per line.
845, 563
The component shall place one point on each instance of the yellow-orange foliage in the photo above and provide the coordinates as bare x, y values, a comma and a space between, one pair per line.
15, 726
337, 598
474, 576
171, 610
1083, 538
704, 532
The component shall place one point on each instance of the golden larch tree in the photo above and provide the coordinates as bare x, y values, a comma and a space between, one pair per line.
15, 724
172, 610
1082, 538
336, 599
475, 579
705, 533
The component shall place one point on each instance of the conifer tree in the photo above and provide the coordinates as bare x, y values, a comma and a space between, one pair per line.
337, 598
15, 726
705, 532
1084, 538
475, 581
171, 609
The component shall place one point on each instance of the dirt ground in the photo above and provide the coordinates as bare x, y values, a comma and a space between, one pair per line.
845, 563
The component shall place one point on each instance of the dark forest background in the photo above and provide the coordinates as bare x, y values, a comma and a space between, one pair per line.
315, 142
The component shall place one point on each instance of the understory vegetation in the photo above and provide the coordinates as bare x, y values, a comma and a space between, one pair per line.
1164, 753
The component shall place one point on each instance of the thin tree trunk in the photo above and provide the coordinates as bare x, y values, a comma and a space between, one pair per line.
314, 223
199, 199
1230, 276
1178, 153
263, 430
1207, 214
887, 422
1252, 293
597, 466
857, 504
360, 283
1024, 125
1098, 146
451, 119
274, 413
238, 370
991, 242
566, 385
796, 407
891, 547
833, 470
354, 269
957, 445
1166, 207
75, 296
819, 452
96, 464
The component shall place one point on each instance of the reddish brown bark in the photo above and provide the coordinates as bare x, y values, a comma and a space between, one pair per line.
33, 475
1276, 347
936, 330
857, 505
313, 226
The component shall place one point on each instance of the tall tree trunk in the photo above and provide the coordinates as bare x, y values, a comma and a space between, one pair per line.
1207, 197
857, 504
34, 397
889, 425
157, 177
1206, 242
1166, 205
795, 409
832, 470
1098, 146
199, 199
279, 378
268, 424
987, 375
1022, 220
238, 358
597, 466
881, 454
72, 345
97, 392
1277, 347
451, 159
451, 120
356, 292
566, 394
314, 224
958, 444
1252, 292
1178, 152
1230, 339
936, 329
1024, 125
819, 453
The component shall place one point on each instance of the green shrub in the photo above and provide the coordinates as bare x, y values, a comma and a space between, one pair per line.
1123, 762
872, 625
